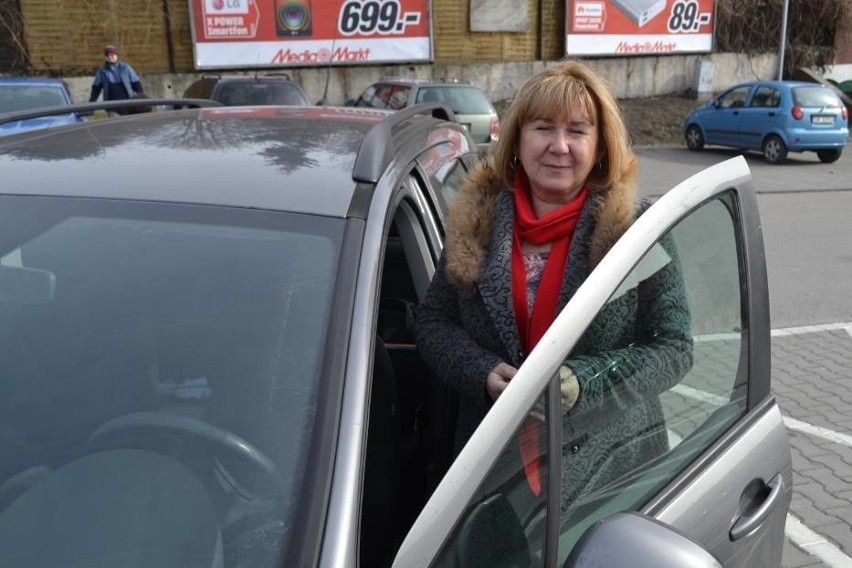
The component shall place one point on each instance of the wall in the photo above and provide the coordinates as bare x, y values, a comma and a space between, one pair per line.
842, 68
628, 77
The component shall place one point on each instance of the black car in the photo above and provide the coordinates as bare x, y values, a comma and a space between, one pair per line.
208, 360
249, 90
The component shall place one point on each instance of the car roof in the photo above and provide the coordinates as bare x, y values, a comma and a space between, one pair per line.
300, 159
425, 82
283, 77
35, 81
785, 83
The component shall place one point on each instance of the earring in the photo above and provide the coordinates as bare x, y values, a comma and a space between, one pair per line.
516, 161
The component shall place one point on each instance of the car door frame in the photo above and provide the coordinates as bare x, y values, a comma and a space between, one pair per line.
401, 194
450, 500
722, 123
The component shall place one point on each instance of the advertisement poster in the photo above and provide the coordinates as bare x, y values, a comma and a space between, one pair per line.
638, 27
274, 33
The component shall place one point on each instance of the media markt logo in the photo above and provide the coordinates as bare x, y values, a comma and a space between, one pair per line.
323, 55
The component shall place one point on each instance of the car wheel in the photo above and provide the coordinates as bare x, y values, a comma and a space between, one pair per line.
694, 138
774, 150
828, 156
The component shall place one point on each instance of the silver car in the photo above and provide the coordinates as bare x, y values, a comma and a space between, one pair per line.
467, 101
210, 364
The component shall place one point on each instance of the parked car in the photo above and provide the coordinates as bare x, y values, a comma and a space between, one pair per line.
27, 93
468, 102
774, 117
208, 359
249, 90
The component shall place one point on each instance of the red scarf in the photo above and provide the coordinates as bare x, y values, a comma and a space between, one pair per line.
556, 227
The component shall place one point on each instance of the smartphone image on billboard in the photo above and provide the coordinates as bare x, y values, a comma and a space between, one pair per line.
293, 18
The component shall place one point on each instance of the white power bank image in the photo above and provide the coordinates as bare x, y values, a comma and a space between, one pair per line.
640, 11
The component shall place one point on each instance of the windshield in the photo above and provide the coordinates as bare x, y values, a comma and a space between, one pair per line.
816, 97
27, 97
247, 93
159, 381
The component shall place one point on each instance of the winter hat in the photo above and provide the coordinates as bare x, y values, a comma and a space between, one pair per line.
110, 49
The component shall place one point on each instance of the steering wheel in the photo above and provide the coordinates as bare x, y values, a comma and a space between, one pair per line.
147, 430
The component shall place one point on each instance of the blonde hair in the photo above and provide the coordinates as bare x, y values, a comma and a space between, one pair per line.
555, 93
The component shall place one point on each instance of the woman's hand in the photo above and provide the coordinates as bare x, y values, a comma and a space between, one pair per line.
569, 388
498, 379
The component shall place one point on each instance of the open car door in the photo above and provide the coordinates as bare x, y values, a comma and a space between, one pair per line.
707, 482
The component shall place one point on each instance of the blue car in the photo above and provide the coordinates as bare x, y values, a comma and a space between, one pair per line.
774, 117
27, 93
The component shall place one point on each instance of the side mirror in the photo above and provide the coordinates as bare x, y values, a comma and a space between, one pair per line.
631, 539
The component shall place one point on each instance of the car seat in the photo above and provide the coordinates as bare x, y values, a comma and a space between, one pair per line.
379, 512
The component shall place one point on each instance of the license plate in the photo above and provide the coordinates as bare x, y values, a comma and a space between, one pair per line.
822, 119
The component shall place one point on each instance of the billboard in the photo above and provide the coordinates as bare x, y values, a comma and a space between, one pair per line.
276, 33
638, 27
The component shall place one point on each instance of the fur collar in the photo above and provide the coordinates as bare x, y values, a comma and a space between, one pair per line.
471, 216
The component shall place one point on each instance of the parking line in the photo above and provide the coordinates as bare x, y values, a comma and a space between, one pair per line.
818, 431
784, 331
815, 544
800, 535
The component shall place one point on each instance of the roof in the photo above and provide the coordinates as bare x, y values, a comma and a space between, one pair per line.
786, 83
283, 77
35, 81
420, 82
287, 158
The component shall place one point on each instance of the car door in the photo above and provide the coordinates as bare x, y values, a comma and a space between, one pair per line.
762, 115
722, 122
719, 469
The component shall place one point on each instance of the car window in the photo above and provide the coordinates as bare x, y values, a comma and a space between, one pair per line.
27, 97
199, 90
442, 161
194, 332
766, 97
815, 97
398, 97
735, 97
462, 99
366, 98
375, 96
662, 399
239, 93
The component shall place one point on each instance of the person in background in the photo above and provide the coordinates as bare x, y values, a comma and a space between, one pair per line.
116, 79
528, 226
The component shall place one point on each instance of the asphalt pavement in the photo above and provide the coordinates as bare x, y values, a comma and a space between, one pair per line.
811, 365
663, 167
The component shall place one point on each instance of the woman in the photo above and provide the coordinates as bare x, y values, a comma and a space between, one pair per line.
525, 231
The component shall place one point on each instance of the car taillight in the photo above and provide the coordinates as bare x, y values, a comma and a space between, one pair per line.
494, 131
797, 112
844, 112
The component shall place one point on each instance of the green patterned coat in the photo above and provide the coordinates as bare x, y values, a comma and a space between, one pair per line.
639, 346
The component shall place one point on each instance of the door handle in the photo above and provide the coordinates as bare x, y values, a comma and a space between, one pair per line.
747, 524
771, 114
